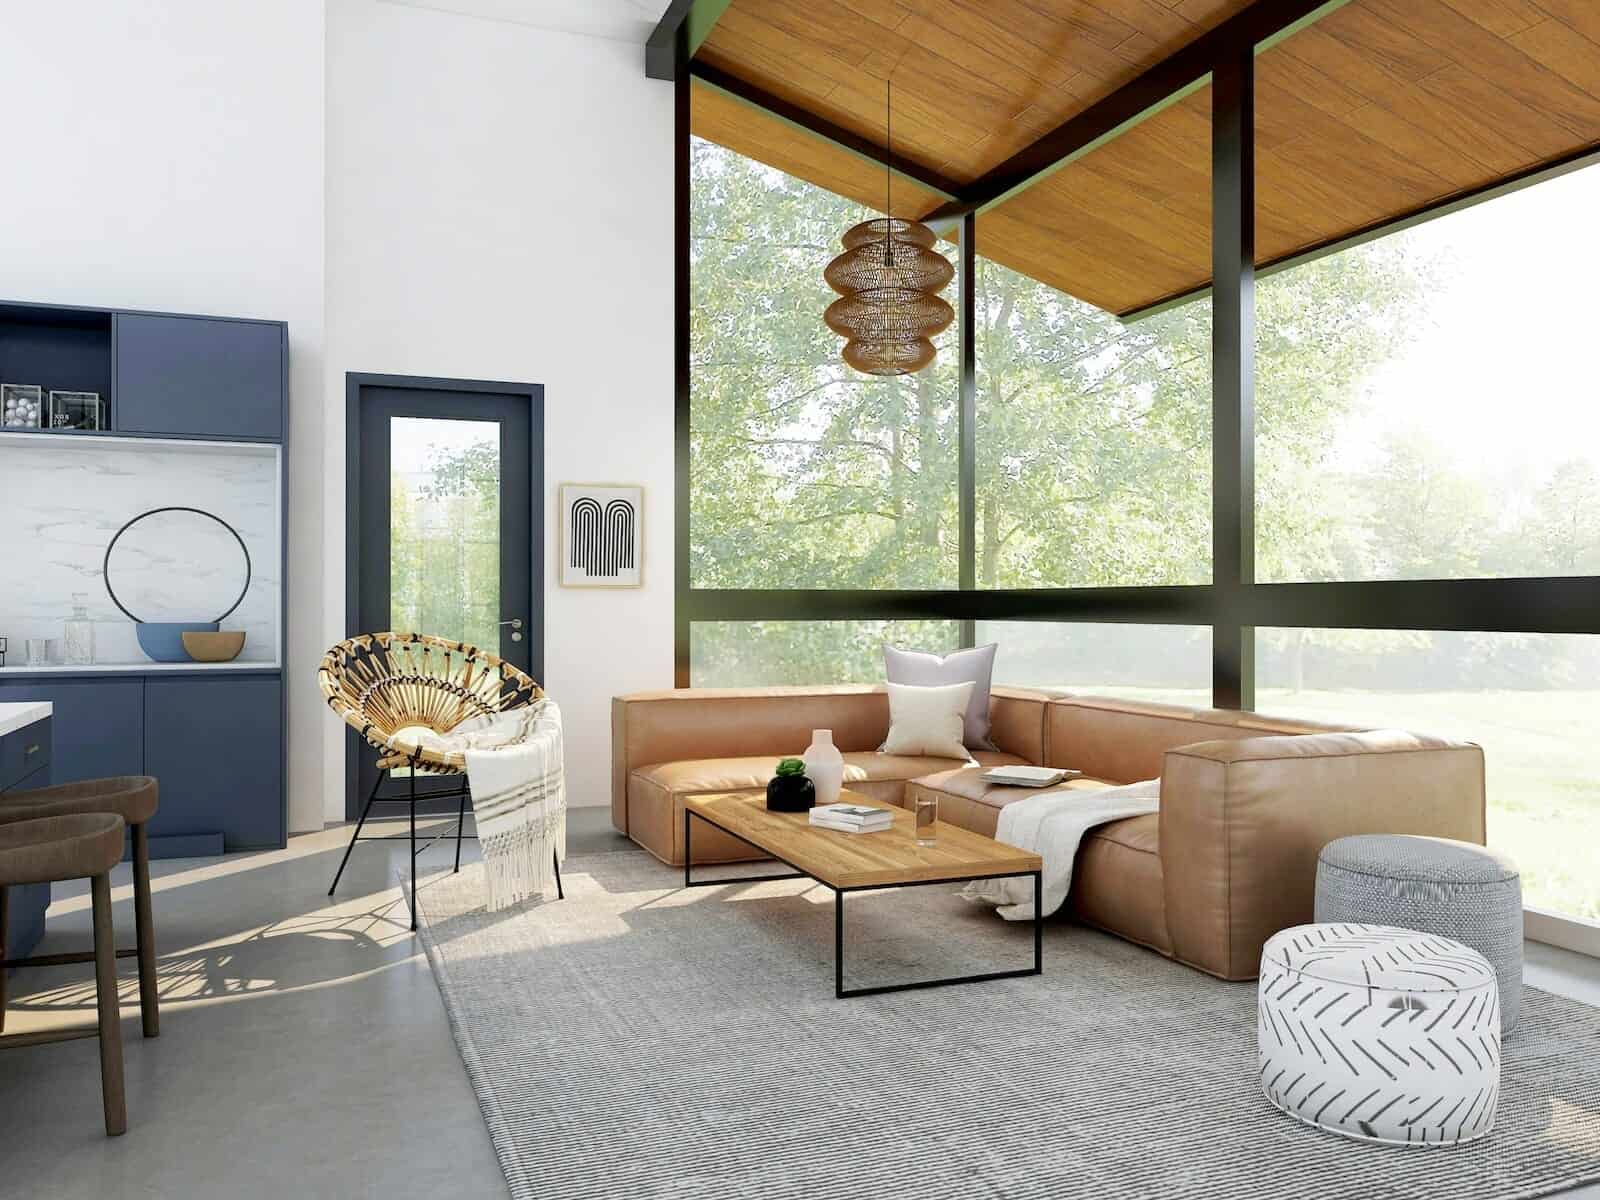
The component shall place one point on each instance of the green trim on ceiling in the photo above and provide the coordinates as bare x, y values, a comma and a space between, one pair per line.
702, 17
698, 81
1089, 147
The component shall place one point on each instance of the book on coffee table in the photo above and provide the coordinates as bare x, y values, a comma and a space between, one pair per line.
852, 818
1031, 777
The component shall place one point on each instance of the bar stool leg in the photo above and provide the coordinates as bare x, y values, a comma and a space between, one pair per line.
105, 986
145, 933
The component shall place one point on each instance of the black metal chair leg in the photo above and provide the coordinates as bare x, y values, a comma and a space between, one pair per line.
555, 856
413, 848
354, 836
461, 820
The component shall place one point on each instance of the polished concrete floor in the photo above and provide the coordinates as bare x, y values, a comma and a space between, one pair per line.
304, 1049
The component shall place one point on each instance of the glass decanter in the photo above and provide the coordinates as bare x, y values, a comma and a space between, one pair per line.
80, 633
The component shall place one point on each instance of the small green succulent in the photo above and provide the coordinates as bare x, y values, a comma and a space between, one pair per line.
791, 766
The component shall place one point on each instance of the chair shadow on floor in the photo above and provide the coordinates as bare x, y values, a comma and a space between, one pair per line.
334, 939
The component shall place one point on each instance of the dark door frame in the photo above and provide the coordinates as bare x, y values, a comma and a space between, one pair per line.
354, 382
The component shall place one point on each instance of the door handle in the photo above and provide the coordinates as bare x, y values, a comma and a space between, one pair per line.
516, 628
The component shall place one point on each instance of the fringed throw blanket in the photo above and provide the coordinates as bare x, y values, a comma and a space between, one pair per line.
519, 796
1052, 823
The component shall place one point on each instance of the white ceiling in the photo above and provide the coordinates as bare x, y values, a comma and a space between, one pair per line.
622, 20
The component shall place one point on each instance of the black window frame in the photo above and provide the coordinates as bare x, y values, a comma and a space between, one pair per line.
1233, 604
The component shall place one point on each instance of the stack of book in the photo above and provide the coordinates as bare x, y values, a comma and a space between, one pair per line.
851, 818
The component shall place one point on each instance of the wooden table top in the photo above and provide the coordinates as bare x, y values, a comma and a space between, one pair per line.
851, 860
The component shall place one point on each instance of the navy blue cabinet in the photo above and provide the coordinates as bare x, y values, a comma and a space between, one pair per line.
199, 376
25, 906
216, 745
98, 726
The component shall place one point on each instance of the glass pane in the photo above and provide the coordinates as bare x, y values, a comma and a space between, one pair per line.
1093, 421
1529, 700
1170, 664
1426, 402
444, 529
804, 472
756, 653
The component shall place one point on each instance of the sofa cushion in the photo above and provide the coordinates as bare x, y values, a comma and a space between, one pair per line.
699, 775
1117, 882
968, 783
974, 666
656, 793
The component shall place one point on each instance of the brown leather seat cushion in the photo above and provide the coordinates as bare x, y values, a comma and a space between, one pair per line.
968, 783
51, 848
656, 794
1117, 878
134, 798
702, 775
1117, 881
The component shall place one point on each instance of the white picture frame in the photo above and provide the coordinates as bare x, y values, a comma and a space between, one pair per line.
601, 543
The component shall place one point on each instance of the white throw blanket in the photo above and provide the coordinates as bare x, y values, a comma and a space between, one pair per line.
1051, 824
519, 796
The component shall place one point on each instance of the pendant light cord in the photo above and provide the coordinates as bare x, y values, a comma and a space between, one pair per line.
888, 171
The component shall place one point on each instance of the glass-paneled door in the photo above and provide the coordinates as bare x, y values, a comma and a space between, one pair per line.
446, 526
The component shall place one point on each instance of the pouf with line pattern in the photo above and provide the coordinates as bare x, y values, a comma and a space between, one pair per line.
1378, 1033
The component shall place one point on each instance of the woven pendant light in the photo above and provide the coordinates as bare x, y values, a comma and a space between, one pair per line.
888, 279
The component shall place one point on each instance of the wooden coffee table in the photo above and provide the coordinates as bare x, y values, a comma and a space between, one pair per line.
859, 862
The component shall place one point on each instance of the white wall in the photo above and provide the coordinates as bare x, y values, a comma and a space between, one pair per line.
168, 155
500, 207
414, 192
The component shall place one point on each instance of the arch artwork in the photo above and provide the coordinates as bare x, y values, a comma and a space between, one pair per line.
600, 540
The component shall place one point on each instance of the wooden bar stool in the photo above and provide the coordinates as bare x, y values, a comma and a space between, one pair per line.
52, 849
135, 799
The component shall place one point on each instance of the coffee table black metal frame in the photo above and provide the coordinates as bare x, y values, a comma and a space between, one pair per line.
839, 990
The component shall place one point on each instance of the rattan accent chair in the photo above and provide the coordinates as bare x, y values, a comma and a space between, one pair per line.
390, 686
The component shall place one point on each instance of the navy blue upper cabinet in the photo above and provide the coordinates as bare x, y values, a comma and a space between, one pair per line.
199, 376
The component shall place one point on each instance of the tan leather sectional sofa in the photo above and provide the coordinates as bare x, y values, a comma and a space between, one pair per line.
1247, 800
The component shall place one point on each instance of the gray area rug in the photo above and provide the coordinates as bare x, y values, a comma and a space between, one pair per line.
638, 1041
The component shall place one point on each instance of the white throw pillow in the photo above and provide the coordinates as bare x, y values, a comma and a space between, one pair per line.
928, 720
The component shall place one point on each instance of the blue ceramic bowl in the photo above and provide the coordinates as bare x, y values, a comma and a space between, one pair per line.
163, 640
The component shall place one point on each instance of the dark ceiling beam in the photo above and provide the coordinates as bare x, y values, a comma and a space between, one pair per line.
820, 127
696, 17
1266, 21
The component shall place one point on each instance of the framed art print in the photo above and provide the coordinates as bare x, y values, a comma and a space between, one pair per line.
602, 535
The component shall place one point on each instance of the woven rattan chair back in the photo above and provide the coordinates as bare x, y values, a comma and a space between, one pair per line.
386, 685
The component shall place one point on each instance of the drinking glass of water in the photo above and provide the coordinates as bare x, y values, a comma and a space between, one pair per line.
926, 811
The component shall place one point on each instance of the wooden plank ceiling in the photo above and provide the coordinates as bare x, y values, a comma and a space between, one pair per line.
1381, 108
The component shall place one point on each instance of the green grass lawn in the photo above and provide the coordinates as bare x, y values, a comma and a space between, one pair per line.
1543, 772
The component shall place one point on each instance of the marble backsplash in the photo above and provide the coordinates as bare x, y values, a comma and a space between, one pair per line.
62, 499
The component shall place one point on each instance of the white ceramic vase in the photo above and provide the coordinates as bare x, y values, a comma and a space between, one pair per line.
824, 766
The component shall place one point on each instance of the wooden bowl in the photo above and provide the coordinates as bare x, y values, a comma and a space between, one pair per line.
214, 647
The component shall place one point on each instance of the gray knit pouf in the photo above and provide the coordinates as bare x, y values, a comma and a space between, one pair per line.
1467, 893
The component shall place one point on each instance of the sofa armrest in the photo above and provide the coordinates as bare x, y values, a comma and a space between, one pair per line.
1242, 823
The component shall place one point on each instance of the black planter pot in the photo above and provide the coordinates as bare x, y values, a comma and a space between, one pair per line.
791, 793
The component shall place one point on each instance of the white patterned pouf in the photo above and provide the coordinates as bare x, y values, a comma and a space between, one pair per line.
1380, 1033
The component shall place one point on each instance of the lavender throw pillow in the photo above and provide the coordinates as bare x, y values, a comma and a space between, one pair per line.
975, 666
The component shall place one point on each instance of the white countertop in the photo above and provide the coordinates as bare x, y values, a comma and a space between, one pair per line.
16, 716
